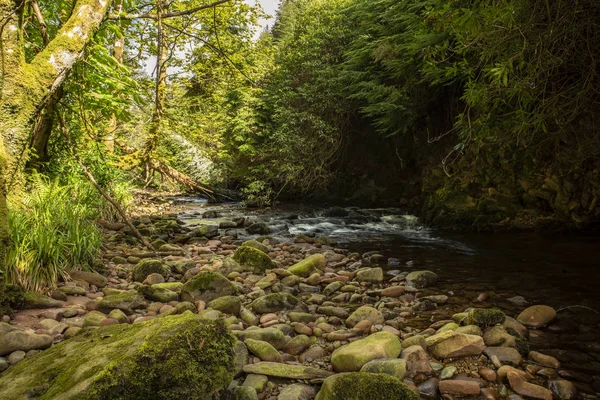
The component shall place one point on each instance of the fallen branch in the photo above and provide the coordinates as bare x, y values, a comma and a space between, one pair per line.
98, 188
145, 255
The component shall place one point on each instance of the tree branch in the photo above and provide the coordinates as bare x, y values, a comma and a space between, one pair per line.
169, 14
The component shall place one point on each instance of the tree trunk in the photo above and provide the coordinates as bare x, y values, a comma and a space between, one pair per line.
25, 88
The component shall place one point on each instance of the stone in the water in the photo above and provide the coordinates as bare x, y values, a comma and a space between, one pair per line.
353, 356
395, 367
537, 316
13, 339
207, 286
372, 275
451, 344
252, 259
362, 386
544, 360
524, 388
153, 359
484, 317
421, 279
286, 371
309, 265
365, 313
275, 302
563, 389
297, 391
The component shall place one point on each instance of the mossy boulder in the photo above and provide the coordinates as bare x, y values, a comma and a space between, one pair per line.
421, 279
160, 294
226, 304
207, 231
395, 367
309, 265
147, 267
252, 259
263, 350
229, 266
207, 286
31, 300
276, 302
484, 317
181, 266
270, 335
363, 313
126, 302
353, 356
256, 245
176, 357
362, 385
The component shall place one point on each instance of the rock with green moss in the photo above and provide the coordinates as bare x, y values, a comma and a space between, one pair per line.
172, 248
230, 265
207, 286
362, 385
181, 266
93, 278
147, 267
395, 367
286, 371
126, 302
353, 356
263, 350
484, 317
252, 259
256, 245
172, 286
421, 279
93, 318
31, 300
160, 294
276, 302
207, 231
178, 357
270, 335
309, 265
451, 344
226, 304
363, 313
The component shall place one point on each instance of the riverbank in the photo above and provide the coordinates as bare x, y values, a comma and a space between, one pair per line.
305, 310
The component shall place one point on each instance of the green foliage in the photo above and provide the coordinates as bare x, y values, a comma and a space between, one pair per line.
52, 230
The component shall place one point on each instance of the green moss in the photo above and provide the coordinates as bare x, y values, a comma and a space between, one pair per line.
11, 296
521, 343
275, 302
252, 259
309, 265
360, 385
175, 357
485, 317
256, 245
207, 286
147, 267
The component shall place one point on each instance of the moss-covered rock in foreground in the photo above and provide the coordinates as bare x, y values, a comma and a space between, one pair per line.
175, 357
362, 385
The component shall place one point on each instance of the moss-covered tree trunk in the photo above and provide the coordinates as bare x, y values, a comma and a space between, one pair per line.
26, 87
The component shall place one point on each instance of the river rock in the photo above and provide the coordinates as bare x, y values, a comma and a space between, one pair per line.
498, 336
353, 356
276, 302
484, 317
459, 387
226, 304
207, 286
72, 290
361, 386
365, 313
297, 391
13, 339
417, 361
154, 293
286, 371
263, 350
138, 355
270, 335
92, 278
506, 355
126, 302
205, 230
252, 259
563, 389
172, 286
244, 393
372, 275
421, 279
149, 266
544, 360
297, 345
308, 266
94, 318
393, 291
154, 279
524, 388
395, 367
33, 300
256, 245
451, 344
429, 389
537, 316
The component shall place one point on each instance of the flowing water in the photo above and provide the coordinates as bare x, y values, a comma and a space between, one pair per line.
558, 270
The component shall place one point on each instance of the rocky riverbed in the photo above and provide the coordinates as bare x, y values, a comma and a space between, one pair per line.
283, 318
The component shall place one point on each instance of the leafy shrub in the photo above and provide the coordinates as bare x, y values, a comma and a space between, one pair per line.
52, 230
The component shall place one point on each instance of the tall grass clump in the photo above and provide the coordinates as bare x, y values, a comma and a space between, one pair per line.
52, 230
